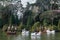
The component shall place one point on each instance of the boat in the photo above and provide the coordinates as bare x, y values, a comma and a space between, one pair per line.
11, 30
25, 33
38, 34
50, 32
33, 35
53, 31
11, 33
47, 30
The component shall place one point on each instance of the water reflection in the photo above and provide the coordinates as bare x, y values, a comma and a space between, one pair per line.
18, 38
25, 37
11, 37
35, 37
41, 37
55, 36
38, 37
50, 36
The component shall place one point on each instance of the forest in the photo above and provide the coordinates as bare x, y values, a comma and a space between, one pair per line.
49, 18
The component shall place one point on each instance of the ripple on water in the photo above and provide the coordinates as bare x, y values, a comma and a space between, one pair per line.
3, 36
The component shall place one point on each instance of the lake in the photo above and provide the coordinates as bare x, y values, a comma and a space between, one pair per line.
4, 36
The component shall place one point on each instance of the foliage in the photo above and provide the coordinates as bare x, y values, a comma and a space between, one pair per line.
45, 22
50, 15
1, 23
37, 24
20, 26
28, 19
7, 15
5, 27
59, 24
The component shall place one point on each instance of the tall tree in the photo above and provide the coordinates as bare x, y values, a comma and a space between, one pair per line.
28, 18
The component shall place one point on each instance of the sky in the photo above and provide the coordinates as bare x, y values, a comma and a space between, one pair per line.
24, 2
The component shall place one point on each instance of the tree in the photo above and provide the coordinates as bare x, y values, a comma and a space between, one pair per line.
1, 23
59, 24
35, 26
28, 19
50, 15
6, 13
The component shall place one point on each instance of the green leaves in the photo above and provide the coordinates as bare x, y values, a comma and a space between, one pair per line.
59, 24
37, 24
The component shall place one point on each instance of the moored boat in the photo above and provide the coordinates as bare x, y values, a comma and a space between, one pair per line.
25, 33
38, 34
33, 34
50, 32
9, 32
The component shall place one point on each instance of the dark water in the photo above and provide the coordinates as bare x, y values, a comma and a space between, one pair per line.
4, 36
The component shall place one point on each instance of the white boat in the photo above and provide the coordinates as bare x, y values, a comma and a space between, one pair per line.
25, 33
33, 34
53, 32
38, 34
50, 32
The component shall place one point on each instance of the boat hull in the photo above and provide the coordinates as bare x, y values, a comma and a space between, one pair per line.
11, 33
